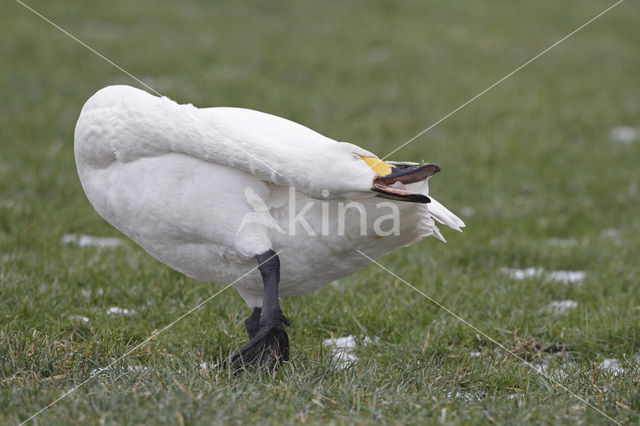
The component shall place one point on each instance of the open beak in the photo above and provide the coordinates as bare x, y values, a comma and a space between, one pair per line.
404, 173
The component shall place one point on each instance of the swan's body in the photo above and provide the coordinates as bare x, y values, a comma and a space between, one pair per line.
206, 190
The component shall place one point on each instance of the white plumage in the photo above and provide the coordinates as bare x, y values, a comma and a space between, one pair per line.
206, 190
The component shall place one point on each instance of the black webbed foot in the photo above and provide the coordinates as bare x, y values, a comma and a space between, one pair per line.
269, 347
252, 324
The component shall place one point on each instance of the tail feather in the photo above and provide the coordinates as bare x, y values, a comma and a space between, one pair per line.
444, 216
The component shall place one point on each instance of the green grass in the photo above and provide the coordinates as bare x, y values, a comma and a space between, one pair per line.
533, 158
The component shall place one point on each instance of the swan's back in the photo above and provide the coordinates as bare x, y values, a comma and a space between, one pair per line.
123, 123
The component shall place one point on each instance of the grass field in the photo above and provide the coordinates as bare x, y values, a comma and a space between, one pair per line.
531, 166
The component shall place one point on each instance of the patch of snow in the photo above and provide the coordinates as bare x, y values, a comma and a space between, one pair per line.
137, 368
559, 372
343, 349
466, 396
348, 342
114, 310
610, 234
9, 257
475, 354
612, 365
11, 204
563, 242
541, 367
130, 368
564, 277
624, 134
522, 274
87, 292
97, 371
562, 306
83, 240
343, 357
79, 318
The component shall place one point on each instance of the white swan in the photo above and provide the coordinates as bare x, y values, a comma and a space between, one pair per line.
208, 191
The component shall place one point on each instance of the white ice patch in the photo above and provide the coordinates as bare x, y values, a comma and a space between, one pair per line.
79, 318
562, 306
566, 277
130, 368
523, 274
612, 365
624, 134
87, 292
465, 396
114, 310
561, 276
563, 242
611, 234
343, 349
82, 240
560, 372
348, 342
541, 367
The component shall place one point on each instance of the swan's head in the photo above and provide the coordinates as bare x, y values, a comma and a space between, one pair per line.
391, 177
355, 171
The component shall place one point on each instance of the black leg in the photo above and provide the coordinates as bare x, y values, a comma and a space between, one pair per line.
268, 342
252, 324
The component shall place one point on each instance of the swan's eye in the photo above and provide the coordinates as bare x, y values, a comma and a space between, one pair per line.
377, 165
